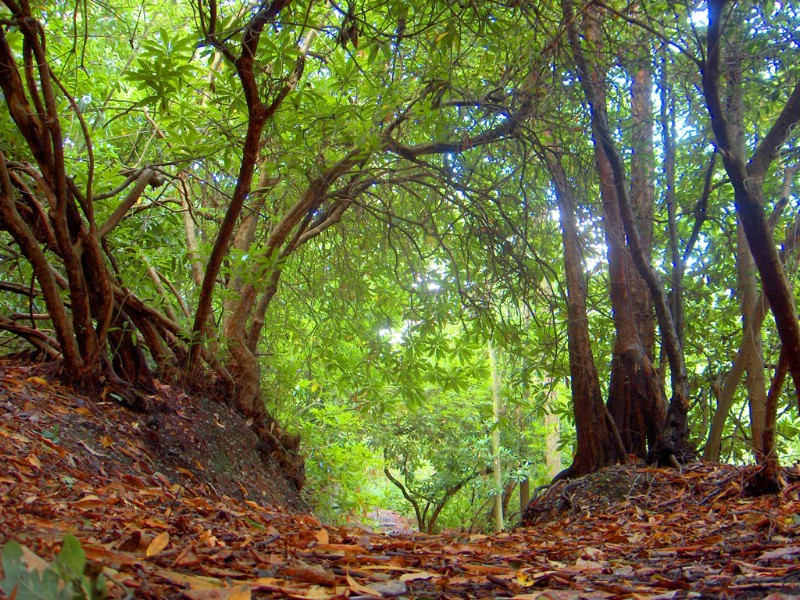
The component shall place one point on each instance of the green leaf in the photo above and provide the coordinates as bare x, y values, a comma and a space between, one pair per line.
13, 567
72, 558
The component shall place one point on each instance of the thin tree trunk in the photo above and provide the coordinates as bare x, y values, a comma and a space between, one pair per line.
755, 320
747, 179
190, 233
552, 455
497, 473
258, 115
752, 340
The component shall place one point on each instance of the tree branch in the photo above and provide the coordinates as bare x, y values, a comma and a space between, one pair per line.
133, 196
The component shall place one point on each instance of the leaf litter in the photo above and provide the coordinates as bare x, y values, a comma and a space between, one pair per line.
160, 529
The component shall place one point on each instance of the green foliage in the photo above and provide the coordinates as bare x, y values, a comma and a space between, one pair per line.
374, 346
340, 464
68, 577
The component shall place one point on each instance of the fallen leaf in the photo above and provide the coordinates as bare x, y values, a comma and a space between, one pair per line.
487, 569
241, 592
311, 573
33, 562
158, 544
322, 536
34, 460
132, 543
418, 575
38, 381
316, 592
361, 589
551, 595
344, 548
90, 501
589, 565
784, 552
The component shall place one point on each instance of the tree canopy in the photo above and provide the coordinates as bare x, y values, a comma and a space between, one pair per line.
327, 213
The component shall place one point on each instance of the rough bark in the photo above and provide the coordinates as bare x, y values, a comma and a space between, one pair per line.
636, 391
598, 441
672, 442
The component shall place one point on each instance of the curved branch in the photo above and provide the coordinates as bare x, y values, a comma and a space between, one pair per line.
407, 495
36, 338
133, 196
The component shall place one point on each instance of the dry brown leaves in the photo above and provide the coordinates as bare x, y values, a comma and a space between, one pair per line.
665, 535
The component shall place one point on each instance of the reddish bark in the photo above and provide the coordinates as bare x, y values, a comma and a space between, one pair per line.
598, 441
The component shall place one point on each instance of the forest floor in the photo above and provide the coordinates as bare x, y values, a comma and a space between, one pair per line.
173, 505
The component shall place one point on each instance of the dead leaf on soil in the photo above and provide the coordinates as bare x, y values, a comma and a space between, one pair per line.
311, 573
418, 575
323, 537
361, 589
784, 552
240, 592
158, 544
33, 562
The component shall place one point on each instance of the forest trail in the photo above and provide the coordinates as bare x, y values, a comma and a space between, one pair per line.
163, 529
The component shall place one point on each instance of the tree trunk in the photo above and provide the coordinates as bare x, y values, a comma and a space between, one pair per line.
598, 441
68, 227
751, 338
766, 480
745, 266
497, 473
552, 456
672, 442
747, 179
642, 186
754, 320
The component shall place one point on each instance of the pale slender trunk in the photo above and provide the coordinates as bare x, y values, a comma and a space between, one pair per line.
496, 470
524, 484
751, 339
747, 282
162, 292
552, 453
189, 231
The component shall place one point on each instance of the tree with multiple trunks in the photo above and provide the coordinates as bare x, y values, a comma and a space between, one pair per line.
167, 172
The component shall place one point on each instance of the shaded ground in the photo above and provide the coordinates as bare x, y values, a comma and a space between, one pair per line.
194, 442
173, 513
